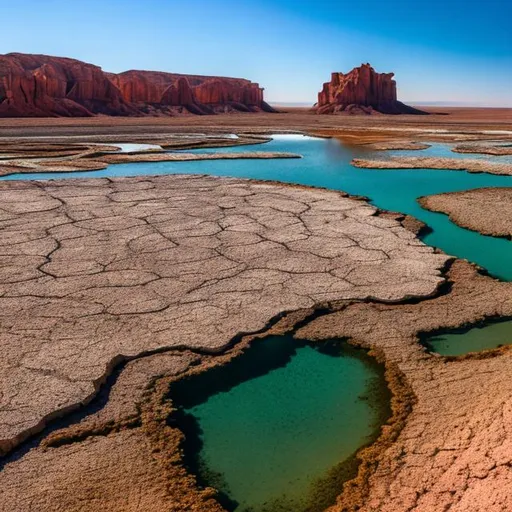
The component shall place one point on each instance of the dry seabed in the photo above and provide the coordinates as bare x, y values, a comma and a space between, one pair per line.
452, 164
196, 262
486, 210
109, 269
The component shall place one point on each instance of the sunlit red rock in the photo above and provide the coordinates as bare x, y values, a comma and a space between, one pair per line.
362, 91
41, 85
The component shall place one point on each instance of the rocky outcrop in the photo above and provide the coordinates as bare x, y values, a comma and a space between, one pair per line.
362, 91
198, 94
41, 85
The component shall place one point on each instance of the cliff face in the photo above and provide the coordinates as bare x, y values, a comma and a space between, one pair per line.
363, 90
197, 93
40, 85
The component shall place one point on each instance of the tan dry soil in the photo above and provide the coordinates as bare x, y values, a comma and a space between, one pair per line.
486, 210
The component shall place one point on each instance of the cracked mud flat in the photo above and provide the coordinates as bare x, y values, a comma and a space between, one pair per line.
486, 210
98, 271
455, 449
451, 164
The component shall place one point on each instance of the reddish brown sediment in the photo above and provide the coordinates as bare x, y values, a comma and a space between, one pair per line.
486, 210
460, 124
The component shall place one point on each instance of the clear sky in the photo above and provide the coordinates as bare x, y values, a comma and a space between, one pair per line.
440, 50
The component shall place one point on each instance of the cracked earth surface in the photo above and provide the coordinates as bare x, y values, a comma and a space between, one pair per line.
99, 271
486, 210
455, 450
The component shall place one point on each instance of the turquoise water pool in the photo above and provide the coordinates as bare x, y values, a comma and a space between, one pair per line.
478, 338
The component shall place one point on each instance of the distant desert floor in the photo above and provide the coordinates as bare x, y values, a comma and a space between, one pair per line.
448, 123
113, 288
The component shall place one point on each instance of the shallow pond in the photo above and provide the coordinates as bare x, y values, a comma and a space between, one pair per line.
474, 339
268, 428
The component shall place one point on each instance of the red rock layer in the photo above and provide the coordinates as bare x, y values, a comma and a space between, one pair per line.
204, 93
363, 90
40, 85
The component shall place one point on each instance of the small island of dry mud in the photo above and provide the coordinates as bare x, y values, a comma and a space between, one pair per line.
397, 146
486, 210
446, 164
495, 150
54, 158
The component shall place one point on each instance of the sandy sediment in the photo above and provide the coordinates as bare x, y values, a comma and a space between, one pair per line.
397, 145
486, 210
99, 162
119, 158
496, 150
452, 164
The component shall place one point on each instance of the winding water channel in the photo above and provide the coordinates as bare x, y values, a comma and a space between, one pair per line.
268, 429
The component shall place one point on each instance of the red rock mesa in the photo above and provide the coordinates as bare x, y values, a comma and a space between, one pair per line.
41, 85
362, 91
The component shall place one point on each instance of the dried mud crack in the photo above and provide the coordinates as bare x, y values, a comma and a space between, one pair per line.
486, 210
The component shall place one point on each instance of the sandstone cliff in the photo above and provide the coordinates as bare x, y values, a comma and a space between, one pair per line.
41, 85
199, 94
363, 90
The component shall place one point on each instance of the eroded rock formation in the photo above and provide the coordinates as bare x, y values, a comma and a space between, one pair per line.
198, 94
41, 85
362, 91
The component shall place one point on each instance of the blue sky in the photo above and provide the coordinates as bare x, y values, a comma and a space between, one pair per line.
450, 50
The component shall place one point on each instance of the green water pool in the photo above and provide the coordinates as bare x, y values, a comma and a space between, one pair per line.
482, 337
268, 428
